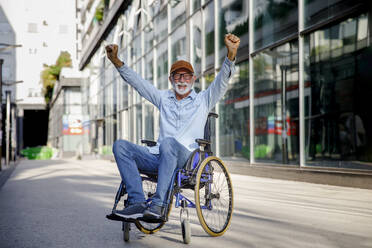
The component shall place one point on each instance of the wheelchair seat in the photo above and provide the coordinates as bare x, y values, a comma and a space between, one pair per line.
209, 179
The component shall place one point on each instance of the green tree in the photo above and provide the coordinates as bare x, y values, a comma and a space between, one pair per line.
50, 74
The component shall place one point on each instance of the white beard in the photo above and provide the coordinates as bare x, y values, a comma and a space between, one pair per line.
181, 91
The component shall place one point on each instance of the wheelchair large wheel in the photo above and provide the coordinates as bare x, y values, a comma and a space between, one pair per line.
213, 196
149, 188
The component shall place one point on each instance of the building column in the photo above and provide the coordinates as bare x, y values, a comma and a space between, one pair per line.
301, 82
251, 82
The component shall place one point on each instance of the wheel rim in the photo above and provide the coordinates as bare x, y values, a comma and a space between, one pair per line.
149, 189
214, 196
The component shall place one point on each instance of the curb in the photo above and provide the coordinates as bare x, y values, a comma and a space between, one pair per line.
354, 179
6, 173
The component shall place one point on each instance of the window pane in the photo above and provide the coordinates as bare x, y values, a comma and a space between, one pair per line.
316, 11
156, 6
137, 97
138, 123
274, 20
209, 35
179, 44
162, 66
208, 79
177, 13
276, 104
338, 126
161, 26
136, 51
196, 42
233, 19
149, 121
195, 5
149, 68
197, 85
114, 96
149, 37
123, 93
234, 135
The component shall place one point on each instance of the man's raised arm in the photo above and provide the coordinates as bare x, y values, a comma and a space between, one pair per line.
144, 88
219, 86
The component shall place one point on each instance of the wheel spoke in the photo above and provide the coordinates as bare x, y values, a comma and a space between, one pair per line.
149, 188
217, 218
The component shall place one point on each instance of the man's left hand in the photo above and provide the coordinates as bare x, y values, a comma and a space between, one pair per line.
232, 43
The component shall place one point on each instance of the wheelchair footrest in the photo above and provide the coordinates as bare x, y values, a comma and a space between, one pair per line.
115, 217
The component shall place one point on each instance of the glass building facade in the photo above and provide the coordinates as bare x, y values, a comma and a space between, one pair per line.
300, 94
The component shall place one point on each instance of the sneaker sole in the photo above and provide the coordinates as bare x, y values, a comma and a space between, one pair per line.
151, 219
132, 216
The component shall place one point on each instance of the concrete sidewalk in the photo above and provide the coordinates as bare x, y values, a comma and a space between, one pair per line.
63, 203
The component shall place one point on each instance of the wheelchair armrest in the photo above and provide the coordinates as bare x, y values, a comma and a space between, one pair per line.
202, 142
149, 143
214, 115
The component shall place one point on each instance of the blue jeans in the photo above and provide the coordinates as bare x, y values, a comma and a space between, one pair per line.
132, 159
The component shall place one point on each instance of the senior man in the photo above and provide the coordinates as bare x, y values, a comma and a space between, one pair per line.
183, 114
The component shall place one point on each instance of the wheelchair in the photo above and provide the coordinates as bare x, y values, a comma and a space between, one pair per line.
203, 173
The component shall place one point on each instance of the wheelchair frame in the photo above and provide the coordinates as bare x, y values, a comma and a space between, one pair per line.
185, 178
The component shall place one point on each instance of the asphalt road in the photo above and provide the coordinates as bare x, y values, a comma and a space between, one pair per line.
63, 203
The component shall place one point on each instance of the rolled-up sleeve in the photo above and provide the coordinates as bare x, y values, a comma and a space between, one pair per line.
144, 87
219, 86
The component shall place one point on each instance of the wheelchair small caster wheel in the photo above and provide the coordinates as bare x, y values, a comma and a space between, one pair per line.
126, 229
186, 231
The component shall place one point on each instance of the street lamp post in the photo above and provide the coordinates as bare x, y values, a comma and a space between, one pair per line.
7, 127
9, 116
3, 47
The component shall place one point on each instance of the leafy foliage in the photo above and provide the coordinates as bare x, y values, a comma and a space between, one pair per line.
98, 15
50, 74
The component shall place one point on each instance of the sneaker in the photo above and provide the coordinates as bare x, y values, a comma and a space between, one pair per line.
154, 212
134, 211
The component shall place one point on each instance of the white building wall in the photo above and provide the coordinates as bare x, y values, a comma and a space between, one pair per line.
44, 29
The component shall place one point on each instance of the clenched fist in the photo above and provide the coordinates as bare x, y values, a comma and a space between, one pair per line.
112, 55
232, 43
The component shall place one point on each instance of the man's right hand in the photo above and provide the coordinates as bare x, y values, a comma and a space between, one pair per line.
112, 55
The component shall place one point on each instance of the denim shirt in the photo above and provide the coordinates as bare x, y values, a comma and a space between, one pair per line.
183, 119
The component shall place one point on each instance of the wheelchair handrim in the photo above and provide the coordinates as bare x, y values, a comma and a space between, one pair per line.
199, 209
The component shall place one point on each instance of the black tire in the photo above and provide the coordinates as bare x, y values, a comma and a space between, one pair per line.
186, 231
149, 188
126, 229
213, 196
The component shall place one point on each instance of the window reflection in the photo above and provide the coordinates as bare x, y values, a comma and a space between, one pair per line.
234, 115
161, 25
337, 95
274, 20
149, 121
179, 44
276, 104
177, 13
233, 19
316, 11
138, 123
162, 66
196, 42
195, 5
155, 6
136, 48
209, 35
149, 38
